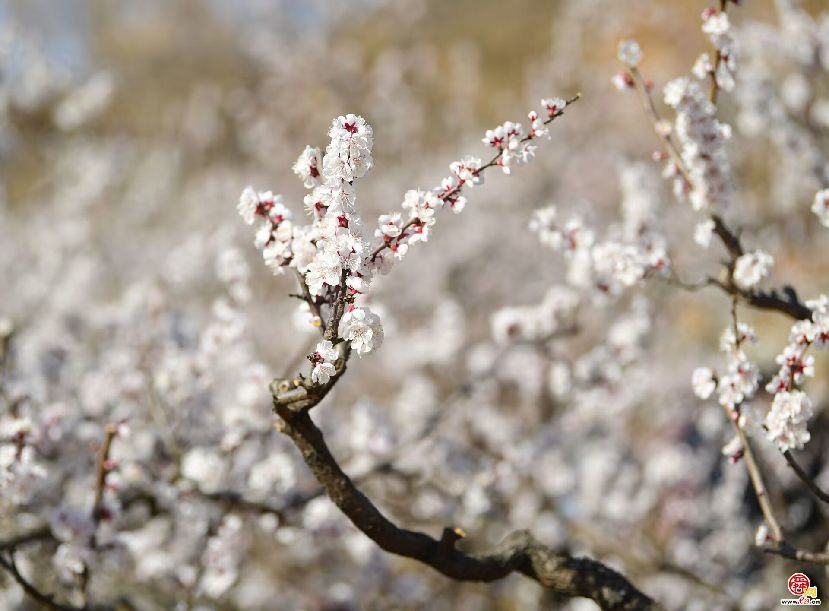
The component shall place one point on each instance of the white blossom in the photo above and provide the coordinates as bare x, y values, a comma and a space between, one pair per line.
820, 206
630, 53
361, 327
248, 203
307, 167
324, 357
786, 421
704, 382
751, 268
348, 156
703, 233
205, 467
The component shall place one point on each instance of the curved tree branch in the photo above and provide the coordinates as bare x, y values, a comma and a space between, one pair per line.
40, 533
804, 477
781, 548
519, 552
47, 600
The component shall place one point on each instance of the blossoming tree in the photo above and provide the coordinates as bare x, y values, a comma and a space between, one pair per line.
139, 466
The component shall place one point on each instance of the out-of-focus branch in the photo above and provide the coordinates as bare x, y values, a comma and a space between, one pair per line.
47, 600
718, 59
804, 477
781, 548
102, 471
757, 483
730, 240
766, 300
519, 552
41, 533
644, 91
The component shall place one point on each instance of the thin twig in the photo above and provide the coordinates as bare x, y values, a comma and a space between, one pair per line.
457, 188
804, 477
102, 471
41, 533
48, 600
755, 475
718, 59
781, 548
649, 107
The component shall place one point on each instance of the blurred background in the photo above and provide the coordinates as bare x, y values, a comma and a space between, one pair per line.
128, 130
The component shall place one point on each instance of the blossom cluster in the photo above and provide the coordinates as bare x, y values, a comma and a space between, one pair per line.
751, 268
742, 377
791, 408
555, 313
512, 145
331, 252
700, 167
610, 265
716, 24
702, 138
335, 257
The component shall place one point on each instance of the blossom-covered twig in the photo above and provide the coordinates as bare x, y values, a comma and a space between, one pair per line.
752, 467
719, 58
788, 304
454, 191
702, 171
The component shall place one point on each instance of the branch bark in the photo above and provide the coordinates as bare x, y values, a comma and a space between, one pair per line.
47, 600
519, 552
804, 477
781, 548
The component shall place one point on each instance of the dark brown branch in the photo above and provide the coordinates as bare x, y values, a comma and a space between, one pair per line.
41, 533
301, 394
781, 548
718, 59
804, 477
47, 600
730, 240
101, 472
338, 309
786, 303
519, 552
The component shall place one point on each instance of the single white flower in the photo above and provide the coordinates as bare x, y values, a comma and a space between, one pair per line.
820, 206
324, 357
362, 328
751, 268
703, 382
630, 53
787, 419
